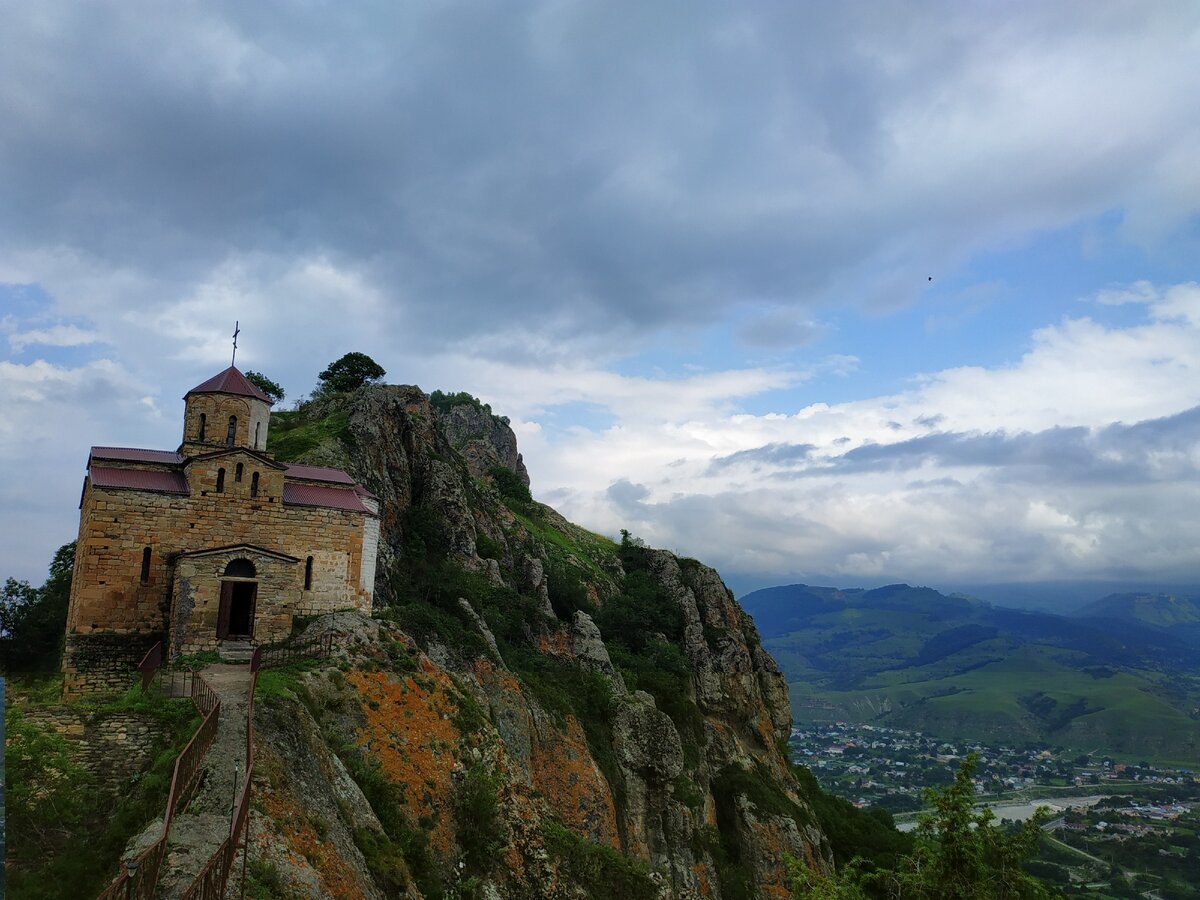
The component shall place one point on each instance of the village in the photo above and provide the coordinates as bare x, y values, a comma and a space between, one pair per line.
1114, 828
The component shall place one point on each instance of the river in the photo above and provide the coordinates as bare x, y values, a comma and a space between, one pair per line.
1020, 810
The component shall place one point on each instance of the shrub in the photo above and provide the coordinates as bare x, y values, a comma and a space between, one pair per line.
600, 871
477, 822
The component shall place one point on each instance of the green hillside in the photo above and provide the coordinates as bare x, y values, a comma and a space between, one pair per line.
914, 658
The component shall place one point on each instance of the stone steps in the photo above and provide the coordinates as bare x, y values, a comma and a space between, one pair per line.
235, 651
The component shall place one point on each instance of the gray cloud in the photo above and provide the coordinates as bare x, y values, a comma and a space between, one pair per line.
779, 454
1157, 449
576, 167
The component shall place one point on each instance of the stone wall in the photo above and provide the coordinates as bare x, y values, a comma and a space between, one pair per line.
114, 747
108, 596
252, 415
197, 598
103, 663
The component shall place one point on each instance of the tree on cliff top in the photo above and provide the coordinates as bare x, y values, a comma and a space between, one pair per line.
266, 385
350, 373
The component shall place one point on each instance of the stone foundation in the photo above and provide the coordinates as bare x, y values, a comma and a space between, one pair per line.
114, 747
97, 664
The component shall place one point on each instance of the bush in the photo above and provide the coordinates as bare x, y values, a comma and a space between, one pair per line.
600, 871
510, 486
477, 822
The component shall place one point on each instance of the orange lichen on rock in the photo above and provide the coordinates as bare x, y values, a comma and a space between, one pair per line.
772, 847
567, 775
409, 730
305, 846
555, 643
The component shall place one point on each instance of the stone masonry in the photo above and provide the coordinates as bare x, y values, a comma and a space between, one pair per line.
213, 540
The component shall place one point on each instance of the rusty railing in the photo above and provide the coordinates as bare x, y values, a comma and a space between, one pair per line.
281, 654
150, 665
140, 878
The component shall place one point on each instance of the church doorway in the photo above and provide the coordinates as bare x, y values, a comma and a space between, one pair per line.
235, 617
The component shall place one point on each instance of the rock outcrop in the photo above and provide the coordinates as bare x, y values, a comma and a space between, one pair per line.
545, 705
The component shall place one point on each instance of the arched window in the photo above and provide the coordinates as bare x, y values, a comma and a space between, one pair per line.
203, 426
240, 568
220, 480
232, 430
308, 574
257, 425
237, 473
146, 565
254, 485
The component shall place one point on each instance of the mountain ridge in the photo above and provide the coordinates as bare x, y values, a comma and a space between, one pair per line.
625, 700
915, 658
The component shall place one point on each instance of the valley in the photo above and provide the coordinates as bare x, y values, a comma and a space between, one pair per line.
1112, 830
915, 659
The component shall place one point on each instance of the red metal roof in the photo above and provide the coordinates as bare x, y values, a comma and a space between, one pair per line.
139, 480
320, 495
137, 454
318, 473
231, 381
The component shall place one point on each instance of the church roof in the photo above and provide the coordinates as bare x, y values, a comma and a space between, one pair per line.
231, 381
139, 479
295, 494
137, 454
318, 473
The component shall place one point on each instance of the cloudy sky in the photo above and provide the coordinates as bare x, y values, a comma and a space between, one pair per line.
868, 290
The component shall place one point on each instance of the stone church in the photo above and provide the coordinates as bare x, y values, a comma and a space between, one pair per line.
215, 541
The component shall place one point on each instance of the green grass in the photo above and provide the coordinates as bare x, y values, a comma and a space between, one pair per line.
1124, 714
291, 437
64, 839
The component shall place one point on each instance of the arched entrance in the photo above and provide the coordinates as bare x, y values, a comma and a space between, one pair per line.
239, 590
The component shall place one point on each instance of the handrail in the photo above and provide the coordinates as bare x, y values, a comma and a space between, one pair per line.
150, 664
284, 653
140, 878
211, 880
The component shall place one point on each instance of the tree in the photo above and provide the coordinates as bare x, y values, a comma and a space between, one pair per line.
350, 373
958, 854
32, 620
267, 386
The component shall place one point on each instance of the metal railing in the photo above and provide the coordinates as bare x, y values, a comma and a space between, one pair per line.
281, 654
150, 664
139, 880
210, 882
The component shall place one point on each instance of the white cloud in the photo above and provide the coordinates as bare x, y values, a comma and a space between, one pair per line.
992, 480
55, 336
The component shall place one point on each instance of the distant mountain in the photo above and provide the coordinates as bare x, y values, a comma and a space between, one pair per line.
1164, 611
916, 658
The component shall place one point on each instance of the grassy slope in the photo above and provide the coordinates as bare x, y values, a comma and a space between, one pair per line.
883, 665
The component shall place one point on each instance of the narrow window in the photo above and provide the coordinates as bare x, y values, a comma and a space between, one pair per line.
237, 473
146, 565
257, 425
254, 485
220, 480
203, 426
232, 429
308, 574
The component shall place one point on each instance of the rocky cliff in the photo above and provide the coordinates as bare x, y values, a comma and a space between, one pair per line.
534, 711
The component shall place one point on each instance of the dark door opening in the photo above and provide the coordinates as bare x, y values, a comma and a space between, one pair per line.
235, 619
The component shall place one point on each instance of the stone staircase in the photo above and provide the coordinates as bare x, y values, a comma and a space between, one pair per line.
236, 652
